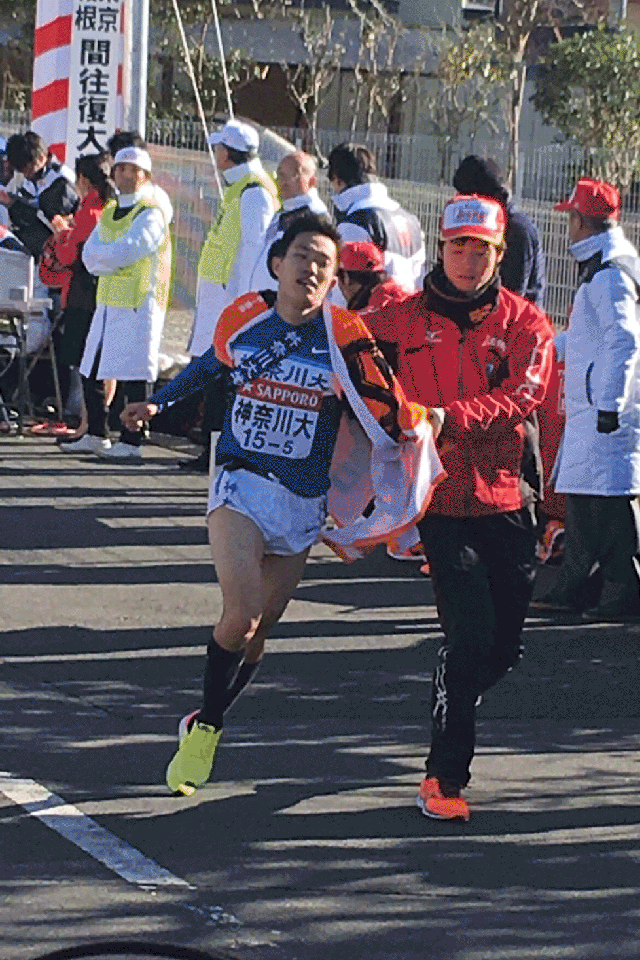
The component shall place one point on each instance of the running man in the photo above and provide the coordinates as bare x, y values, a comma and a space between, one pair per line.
292, 365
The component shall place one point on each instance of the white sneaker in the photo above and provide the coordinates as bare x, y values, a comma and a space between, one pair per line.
121, 451
85, 444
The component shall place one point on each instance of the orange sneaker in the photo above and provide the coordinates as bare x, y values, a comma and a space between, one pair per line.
442, 800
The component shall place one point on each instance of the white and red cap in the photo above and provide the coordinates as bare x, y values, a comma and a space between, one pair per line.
136, 156
593, 198
237, 135
469, 215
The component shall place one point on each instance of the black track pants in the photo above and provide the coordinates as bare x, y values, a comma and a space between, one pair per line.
482, 570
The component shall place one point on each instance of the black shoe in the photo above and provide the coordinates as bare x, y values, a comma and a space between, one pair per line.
195, 464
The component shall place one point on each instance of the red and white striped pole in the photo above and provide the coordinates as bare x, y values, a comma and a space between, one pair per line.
51, 66
78, 96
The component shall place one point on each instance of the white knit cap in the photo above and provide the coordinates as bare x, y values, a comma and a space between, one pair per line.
140, 158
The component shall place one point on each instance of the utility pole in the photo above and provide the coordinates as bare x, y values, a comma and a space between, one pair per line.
136, 109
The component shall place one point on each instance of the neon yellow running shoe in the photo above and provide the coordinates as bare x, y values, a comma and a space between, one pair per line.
192, 762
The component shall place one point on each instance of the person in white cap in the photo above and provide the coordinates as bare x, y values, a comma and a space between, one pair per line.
483, 354
229, 254
130, 253
131, 138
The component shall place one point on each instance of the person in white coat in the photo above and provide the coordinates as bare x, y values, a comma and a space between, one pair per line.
130, 253
229, 255
364, 210
599, 462
297, 185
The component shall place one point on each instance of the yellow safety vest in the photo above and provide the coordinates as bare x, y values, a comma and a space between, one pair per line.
129, 287
221, 246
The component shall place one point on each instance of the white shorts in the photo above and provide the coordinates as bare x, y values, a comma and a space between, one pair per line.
288, 523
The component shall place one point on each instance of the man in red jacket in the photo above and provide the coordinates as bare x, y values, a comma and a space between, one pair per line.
483, 355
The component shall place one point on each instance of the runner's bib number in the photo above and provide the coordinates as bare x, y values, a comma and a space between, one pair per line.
275, 418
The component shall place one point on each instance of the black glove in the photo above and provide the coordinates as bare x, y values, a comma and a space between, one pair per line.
607, 421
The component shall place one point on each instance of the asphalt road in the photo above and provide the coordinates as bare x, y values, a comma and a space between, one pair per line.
307, 845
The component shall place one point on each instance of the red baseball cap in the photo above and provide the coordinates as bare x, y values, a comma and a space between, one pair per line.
470, 215
362, 256
593, 198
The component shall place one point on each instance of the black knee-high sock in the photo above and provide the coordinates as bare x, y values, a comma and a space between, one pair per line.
244, 676
221, 668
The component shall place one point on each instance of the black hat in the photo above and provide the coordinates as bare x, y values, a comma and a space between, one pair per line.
477, 175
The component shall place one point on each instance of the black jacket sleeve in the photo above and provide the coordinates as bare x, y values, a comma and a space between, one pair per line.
59, 198
523, 270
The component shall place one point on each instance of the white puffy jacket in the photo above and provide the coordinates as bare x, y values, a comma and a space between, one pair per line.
602, 372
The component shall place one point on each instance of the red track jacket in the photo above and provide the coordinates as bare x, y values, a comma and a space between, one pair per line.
488, 377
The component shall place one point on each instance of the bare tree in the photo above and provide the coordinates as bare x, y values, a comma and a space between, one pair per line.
366, 42
177, 97
379, 71
322, 40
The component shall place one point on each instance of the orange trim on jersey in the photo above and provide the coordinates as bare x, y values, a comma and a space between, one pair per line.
349, 327
232, 319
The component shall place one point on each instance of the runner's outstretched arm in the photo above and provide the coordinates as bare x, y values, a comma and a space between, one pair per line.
199, 372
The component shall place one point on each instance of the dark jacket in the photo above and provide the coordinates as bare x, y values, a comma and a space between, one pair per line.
39, 201
523, 269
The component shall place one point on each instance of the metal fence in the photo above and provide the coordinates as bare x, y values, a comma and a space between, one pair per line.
186, 176
398, 156
544, 172
13, 121
183, 168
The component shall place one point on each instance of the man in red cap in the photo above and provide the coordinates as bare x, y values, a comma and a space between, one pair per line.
482, 355
363, 279
599, 462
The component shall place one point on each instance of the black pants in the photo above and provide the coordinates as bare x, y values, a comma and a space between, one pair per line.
216, 394
482, 570
603, 531
97, 410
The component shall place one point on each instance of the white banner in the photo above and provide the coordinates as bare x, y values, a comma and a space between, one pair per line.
95, 76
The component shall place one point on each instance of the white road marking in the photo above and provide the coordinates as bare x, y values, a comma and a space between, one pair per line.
118, 856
